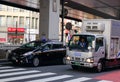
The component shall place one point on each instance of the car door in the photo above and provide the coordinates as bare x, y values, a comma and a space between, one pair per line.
46, 53
58, 52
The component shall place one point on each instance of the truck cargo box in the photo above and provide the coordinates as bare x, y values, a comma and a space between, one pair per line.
110, 29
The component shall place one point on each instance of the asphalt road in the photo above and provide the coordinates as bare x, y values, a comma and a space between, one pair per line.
55, 73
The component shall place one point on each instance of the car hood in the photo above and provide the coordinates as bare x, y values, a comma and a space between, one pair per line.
20, 51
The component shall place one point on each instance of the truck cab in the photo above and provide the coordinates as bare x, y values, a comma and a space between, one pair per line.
88, 55
97, 46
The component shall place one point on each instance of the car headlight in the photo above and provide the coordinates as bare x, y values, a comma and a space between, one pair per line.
28, 53
90, 60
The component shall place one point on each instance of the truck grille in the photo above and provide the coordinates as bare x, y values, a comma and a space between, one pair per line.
79, 59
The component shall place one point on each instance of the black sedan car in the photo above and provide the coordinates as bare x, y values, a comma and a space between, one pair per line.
50, 52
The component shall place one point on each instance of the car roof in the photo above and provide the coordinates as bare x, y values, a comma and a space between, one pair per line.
54, 42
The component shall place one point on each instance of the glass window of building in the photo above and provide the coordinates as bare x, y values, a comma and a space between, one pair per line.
33, 22
21, 22
9, 8
27, 22
1, 7
2, 21
9, 21
36, 23
15, 9
15, 20
21, 10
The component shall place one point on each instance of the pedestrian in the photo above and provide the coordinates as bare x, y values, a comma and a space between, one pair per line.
82, 43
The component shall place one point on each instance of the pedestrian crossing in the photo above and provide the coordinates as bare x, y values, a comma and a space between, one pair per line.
15, 74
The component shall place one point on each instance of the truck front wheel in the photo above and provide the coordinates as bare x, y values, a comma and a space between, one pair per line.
99, 67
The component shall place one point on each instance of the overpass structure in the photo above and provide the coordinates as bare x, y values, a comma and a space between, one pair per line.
50, 11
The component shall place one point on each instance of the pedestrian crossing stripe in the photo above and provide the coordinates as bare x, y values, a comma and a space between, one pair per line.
6, 67
105, 81
18, 73
51, 78
10, 70
26, 77
79, 79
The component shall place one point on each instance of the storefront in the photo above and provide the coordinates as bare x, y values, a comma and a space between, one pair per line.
15, 35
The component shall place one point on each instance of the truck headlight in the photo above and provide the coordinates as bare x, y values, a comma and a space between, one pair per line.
68, 58
89, 60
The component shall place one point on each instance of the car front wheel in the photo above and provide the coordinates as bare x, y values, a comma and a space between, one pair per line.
35, 61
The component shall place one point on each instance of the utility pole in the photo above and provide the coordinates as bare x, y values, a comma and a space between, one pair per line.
16, 32
29, 28
62, 33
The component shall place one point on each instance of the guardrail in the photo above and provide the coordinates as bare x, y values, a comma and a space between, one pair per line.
8, 47
5, 48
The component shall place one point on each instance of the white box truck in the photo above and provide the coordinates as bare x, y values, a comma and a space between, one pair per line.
101, 45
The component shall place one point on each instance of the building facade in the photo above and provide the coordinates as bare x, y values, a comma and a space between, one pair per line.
18, 25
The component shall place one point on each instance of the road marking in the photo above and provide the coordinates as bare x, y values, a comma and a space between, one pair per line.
9, 70
79, 79
18, 73
51, 78
104, 81
5, 67
26, 77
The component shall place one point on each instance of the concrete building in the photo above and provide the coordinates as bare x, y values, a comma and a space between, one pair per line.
18, 25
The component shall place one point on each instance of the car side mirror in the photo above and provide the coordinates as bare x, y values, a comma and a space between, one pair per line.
93, 44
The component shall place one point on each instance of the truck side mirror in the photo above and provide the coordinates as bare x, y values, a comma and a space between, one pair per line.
93, 44
89, 48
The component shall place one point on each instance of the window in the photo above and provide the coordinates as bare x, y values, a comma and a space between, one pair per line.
33, 22
36, 23
9, 8
99, 43
15, 9
27, 22
2, 21
15, 19
21, 10
57, 46
47, 47
9, 21
1, 7
21, 22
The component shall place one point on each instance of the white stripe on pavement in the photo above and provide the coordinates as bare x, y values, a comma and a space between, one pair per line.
26, 77
51, 78
9, 70
5, 67
18, 73
78, 79
104, 81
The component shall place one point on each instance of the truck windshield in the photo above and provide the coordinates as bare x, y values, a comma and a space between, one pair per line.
81, 42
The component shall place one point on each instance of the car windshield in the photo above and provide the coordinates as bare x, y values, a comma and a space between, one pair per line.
81, 42
32, 44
